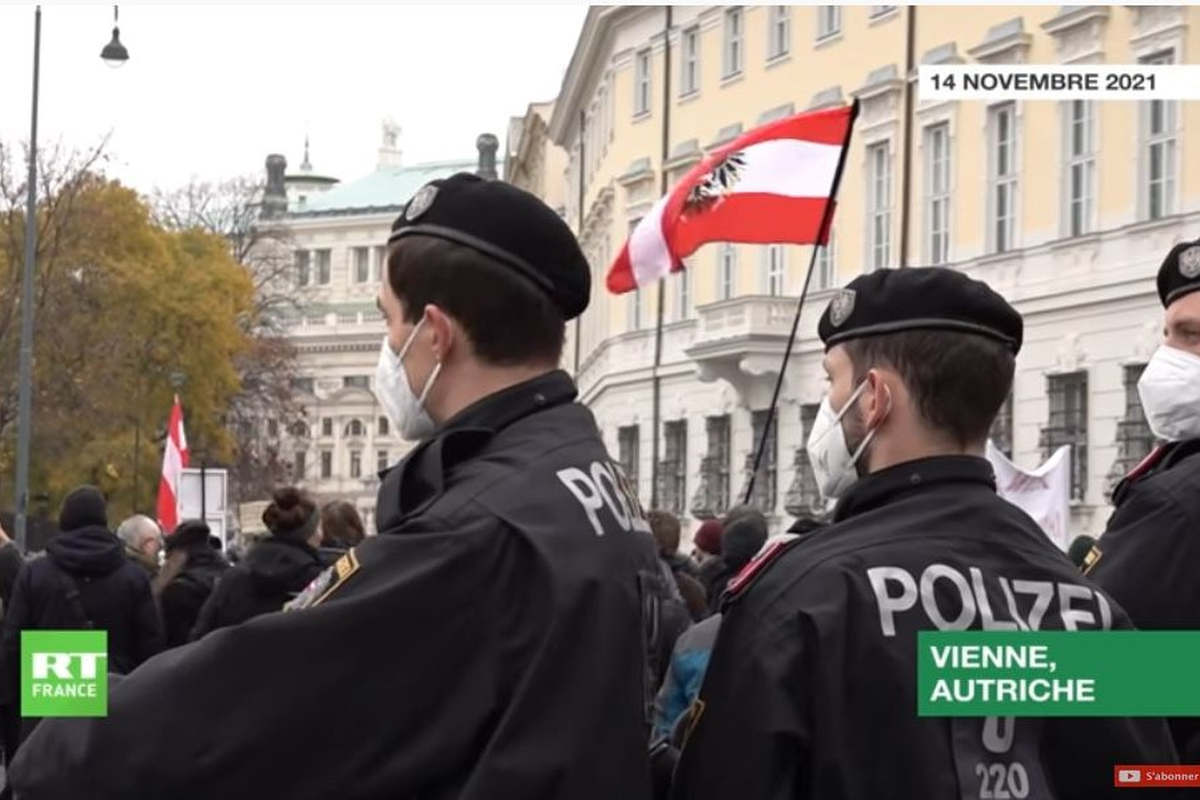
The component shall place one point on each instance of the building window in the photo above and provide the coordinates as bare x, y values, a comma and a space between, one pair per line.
763, 497
323, 268
1080, 166
689, 77
306, 385
829, 21
302, 267
779, 31
384, 426
775, 269
1134, 437
937, 206
628, 441
272, 428
356, 382
879, 11
683, 293
361, 257
298, 430
380, 262
712, 499
326, 464
355, 463
1002, 189
641, 95
299, 465
674, 467
827, 263
804, 496
326, 426
1068, 425
381, 461
356, 428
1001, 432
733, 42
1159, 151
879, 218
726, 271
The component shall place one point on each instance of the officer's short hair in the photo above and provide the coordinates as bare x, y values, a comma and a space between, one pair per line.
508, 319
958, 380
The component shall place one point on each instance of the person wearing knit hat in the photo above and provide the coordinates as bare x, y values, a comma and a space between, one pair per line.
744, 534
708, 537
1149, 554
813, 674
84, 581
187, 578
274, 570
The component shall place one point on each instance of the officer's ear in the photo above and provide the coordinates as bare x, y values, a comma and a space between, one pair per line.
878, 399
445, 332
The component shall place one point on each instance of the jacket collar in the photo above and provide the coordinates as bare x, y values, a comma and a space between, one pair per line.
420, 477
888, 485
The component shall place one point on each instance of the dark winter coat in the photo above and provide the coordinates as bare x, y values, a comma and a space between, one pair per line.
187, 592
115, 596
10, 566
271, 574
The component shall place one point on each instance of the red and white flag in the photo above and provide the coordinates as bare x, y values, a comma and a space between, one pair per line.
769, 186
175, 458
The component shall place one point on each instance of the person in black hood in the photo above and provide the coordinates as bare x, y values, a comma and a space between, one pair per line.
275, 569
84, 581
187, 578
744, 535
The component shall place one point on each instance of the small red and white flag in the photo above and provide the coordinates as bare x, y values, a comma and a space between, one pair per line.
175, 458
770, 186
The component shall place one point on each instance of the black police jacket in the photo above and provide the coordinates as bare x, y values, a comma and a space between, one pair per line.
811, 689
489, 643
1149, 556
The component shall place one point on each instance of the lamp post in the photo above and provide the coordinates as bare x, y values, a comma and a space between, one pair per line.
114, 54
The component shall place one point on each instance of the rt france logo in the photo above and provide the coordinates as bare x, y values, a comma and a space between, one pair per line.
64, 673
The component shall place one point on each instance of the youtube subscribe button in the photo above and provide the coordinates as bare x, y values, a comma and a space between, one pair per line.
1143, 775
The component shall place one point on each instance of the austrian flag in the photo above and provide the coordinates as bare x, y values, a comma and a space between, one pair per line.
772, 185
175, 458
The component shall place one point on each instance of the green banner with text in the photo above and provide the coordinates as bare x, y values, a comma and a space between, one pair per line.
1058, 673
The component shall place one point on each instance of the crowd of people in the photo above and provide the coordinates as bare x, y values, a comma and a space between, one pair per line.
520, 628
150, 591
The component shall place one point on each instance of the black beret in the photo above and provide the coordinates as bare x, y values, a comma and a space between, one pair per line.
508, 224
1180, 272
925, 298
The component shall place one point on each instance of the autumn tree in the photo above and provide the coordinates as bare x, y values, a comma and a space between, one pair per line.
265, 408
124, 308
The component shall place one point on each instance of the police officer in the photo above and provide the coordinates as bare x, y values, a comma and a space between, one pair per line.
811, 689
1149, 555
490, 642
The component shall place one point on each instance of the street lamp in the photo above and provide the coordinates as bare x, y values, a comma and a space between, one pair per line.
113, 52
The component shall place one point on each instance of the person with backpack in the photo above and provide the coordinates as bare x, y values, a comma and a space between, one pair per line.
275, 569
187, 578
83, 582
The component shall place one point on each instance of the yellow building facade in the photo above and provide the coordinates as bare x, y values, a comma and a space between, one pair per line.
1065, 207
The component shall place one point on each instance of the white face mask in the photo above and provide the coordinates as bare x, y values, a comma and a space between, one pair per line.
1170, 392
832, 461
400, 403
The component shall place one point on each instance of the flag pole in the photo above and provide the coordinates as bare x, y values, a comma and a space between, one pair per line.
662, 283
826, 219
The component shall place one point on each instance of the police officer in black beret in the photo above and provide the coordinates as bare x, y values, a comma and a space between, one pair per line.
1149, 555
811, 688
491, 641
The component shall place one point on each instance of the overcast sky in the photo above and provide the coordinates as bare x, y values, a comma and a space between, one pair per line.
210, 90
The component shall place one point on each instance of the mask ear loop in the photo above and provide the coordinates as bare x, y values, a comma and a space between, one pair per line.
858, 451
437, 368
411, 338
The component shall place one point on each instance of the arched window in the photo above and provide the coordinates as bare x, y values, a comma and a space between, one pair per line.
299, 430
356, 428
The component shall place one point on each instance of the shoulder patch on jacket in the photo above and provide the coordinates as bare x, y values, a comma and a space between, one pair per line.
1092, 558
770, 552
326, 583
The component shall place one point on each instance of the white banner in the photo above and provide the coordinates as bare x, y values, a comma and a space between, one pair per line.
1044, 493
1058, 82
